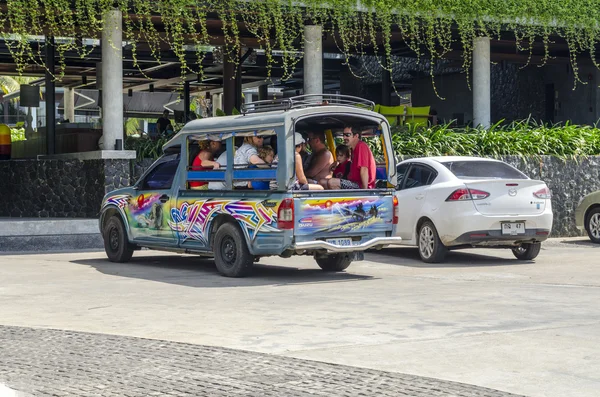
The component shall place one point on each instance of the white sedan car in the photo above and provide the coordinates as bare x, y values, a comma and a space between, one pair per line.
462, 202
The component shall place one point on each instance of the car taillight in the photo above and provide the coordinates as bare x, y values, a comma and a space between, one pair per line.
395, 217
542, 193
285, 214
467, 194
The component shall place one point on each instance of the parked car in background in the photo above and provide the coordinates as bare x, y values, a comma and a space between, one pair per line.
462, 202
587, 216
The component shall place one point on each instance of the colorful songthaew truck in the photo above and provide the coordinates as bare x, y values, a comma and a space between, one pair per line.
239, 213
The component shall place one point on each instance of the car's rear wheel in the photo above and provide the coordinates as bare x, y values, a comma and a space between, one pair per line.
527, 251
334, 262
232, 257
431, 248
116, 245
592, 225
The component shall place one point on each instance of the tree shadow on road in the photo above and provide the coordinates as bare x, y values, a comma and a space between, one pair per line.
409, 257
198, 272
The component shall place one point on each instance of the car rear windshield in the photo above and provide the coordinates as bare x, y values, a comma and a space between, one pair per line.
483, 169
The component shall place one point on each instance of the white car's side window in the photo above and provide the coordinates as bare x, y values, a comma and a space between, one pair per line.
419, 176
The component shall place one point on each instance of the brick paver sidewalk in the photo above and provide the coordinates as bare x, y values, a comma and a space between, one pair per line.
44, 362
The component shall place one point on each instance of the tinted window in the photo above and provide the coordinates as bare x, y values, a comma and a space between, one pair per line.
401, 170
419, 176
162, 174
483, 169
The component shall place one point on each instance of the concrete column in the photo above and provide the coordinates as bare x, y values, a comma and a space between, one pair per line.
313, 59
112, 79
69, 104
481, 82
217, 103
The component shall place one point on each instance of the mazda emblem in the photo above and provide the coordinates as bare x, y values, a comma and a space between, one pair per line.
512, 192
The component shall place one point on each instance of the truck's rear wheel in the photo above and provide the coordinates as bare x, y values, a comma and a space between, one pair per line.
334, 262
232, 257
116, 245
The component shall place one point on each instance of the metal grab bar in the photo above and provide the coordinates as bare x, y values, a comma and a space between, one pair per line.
302, 101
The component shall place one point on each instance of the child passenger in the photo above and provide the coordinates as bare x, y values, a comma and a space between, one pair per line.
341, 167
266, 154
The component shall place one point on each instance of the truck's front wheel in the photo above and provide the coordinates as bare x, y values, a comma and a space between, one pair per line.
116, 245
334, 262
232, 257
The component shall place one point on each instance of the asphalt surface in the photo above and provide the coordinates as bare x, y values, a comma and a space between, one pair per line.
482, 324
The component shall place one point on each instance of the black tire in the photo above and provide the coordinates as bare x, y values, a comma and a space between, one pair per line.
232, 257
431, 248
592, 225
116, 245
334, 262
527, 251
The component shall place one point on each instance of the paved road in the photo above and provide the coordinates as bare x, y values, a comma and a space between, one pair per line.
482, 319
65, 363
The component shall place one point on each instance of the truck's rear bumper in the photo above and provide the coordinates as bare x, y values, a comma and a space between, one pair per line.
320, 244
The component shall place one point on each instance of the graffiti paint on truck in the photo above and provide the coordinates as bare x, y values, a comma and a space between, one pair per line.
344, 215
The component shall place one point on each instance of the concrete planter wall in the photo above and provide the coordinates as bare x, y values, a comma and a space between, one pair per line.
74, 188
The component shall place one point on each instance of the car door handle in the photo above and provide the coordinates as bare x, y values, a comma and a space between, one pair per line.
164, 198
419, 196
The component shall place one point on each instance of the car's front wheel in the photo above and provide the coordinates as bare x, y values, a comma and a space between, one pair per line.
431, 248
334, 262
527, 251
232, 257
592, 225
116, 245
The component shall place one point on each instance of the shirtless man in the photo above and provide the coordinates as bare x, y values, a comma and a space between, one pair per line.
321, 158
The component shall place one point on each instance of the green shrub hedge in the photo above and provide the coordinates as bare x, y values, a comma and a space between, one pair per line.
519, 138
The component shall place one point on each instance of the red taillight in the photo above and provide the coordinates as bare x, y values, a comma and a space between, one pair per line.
542, 193
285, 214
467, 194
395, 217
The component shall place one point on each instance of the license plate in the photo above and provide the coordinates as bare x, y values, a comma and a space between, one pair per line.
342, 242
513, 228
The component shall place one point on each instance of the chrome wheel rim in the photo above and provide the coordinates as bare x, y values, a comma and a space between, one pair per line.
426, 242
594, 225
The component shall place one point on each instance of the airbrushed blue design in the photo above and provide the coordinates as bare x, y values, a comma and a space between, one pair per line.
353, 216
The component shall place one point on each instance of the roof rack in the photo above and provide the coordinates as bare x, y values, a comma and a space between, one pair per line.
304, 101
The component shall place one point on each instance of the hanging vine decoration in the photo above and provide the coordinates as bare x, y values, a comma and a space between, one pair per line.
432, 29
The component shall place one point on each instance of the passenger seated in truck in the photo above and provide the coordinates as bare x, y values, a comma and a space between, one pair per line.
363, 167
246, 155
319, 163
205, 161
301, 182
341, 167
266, 154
